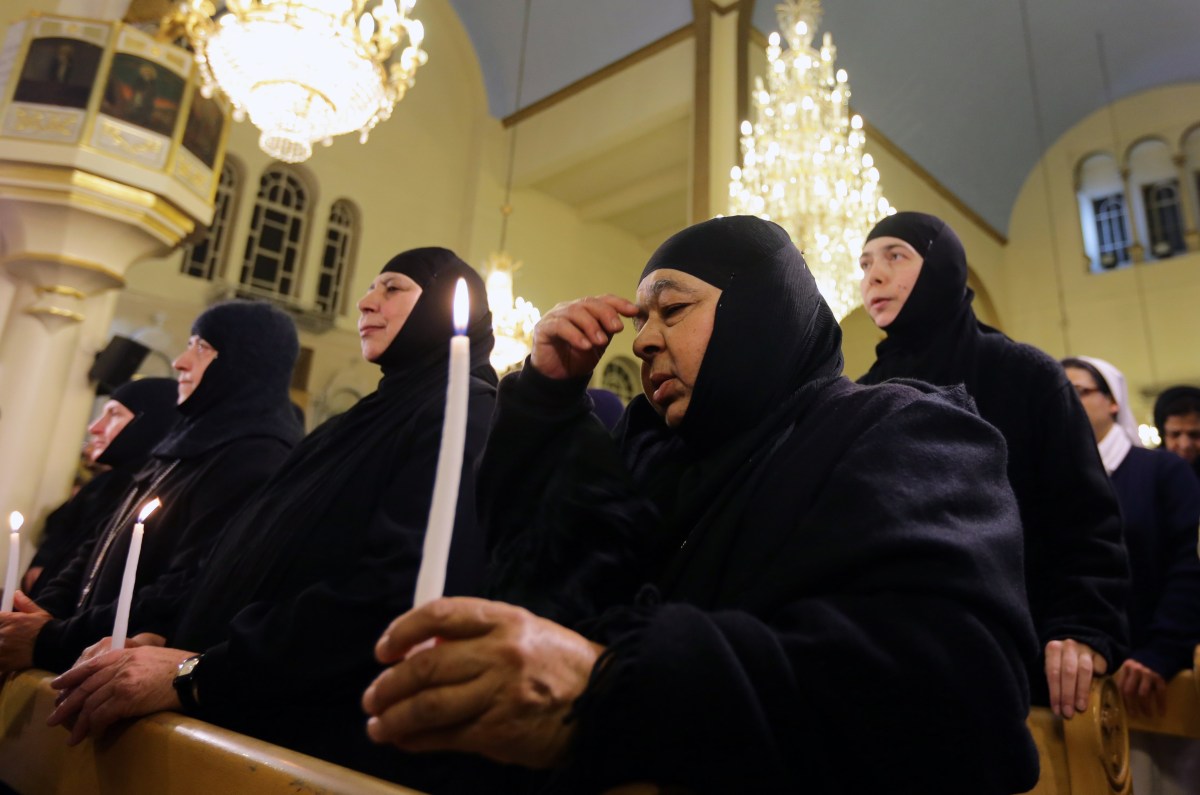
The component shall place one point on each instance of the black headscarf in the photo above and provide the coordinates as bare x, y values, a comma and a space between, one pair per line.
934, 335
152, 401
244, 390
775, 344
772, 334
339, 467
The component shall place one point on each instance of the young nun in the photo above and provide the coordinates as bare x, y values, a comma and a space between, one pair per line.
1160, 508
810, 585
237, 426
278, 636
132, 421
914, 286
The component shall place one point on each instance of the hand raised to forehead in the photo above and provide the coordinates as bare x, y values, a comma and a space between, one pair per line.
570, 339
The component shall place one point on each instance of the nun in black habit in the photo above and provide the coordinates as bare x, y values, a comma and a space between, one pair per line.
73, 524
777, 580
1076, 568
237, 427
285, 617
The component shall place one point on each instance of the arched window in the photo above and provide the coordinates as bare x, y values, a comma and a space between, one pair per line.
1154, 187
622, 376
1102, 213
277, 230
203, 258
340, 237
1191, 159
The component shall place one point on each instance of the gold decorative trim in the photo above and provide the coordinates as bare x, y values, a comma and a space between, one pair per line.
65, 259
54, 311
71, 180
721, 10
61, 289
653, 48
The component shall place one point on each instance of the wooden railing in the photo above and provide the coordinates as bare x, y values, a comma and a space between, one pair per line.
163, 754
1088, 754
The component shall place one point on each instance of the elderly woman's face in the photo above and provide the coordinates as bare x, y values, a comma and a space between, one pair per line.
383, 310
890, 268
673, 330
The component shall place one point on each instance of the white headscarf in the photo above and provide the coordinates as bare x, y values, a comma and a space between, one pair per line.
1120, 394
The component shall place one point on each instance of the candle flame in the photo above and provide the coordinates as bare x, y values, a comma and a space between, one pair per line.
462, 307
15, 520
148, 509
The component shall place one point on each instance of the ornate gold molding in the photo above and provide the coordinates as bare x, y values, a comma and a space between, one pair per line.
54, 311
61, 289
32, 258
60, 185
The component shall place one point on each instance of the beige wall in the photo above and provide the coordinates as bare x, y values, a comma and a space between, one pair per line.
1139, 318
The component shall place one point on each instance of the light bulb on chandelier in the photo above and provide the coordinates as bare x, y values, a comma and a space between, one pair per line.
803, 164
305, 71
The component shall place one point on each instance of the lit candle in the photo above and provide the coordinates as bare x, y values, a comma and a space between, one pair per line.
431, 579
121, 625
15, 520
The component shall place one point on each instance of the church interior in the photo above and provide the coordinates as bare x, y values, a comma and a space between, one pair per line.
558, 143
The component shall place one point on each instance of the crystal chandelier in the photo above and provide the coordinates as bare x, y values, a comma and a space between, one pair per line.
803, 164
305, 70
513, 319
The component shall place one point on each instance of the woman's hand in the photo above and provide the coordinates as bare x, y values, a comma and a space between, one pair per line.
126, 683
570, 339
500, 682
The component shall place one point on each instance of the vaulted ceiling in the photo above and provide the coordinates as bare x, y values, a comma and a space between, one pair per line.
951, 82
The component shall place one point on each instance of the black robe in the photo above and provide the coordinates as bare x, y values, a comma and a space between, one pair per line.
1076, 568
833, 597
291, 603
76, 522
238, 426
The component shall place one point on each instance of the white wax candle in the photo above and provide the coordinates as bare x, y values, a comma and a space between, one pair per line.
15, 520
125, 599
431, 579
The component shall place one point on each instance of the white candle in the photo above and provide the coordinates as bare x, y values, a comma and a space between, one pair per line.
431, 579
15, 520
125, 599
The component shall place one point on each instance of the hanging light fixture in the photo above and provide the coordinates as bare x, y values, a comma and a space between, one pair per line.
513, 319
803, 164
305, 70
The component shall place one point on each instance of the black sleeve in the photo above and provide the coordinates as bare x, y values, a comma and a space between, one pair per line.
1175, 629
562, 519
59, 596
229, 480
318, 642
903, 638
1083, 571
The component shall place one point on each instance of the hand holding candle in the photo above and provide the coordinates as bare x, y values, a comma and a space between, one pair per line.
431, 579
15, 520
125, 599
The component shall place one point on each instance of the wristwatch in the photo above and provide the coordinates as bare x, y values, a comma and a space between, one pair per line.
186, 686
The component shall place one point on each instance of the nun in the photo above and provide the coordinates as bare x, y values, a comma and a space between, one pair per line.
132, 421
236, 428
914, 287
277, 639
767, 579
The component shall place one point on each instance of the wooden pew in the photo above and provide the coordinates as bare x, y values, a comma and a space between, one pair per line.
1088, 754
164, 754
1182, 717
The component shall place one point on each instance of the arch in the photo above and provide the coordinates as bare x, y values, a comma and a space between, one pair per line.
278, 232
205, 257
342, 232
1142, 142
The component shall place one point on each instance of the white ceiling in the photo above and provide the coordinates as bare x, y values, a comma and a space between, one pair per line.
948, 81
